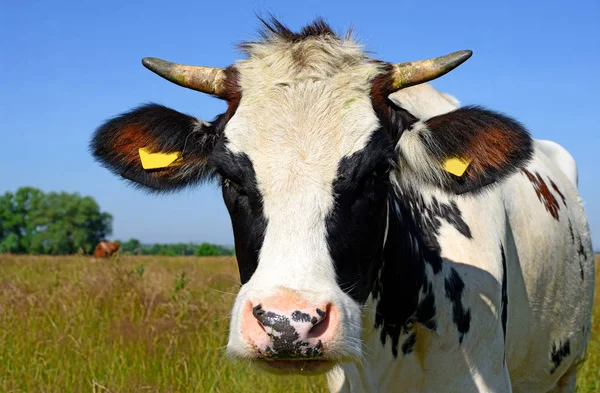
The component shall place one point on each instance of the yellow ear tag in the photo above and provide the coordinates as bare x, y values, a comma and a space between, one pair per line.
456, 166
157, 160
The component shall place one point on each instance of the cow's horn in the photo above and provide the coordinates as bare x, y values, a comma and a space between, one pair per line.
415, 72
205, 79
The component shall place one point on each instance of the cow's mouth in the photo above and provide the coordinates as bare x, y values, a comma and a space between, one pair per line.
296, 366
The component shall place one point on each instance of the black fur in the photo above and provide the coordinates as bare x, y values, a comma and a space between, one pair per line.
162, 130
425, 313
271, 27
427, 217
394, 119
558, 354
571, 232
400, 279
504, 315
244, 203
412, 242
356, 225
582, 255
409, 343
461, 316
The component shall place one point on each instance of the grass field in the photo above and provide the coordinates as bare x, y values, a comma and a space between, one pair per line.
139, 324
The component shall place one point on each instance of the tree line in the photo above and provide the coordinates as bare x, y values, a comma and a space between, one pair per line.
61, 223
134, 246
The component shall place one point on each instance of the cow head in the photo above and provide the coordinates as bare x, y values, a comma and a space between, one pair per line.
306, 155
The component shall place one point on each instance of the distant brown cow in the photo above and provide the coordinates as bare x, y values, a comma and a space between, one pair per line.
106, 249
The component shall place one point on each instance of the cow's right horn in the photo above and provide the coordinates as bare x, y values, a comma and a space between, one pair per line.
204, 79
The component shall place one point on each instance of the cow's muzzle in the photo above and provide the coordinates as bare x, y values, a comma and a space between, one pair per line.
291, 335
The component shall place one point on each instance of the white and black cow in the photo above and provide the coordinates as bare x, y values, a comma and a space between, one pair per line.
361, 252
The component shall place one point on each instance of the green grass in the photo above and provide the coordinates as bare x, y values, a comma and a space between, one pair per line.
138, 324
588, 376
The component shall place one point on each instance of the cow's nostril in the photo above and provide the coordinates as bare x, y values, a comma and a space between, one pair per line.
320, 324
258, 311
321, 313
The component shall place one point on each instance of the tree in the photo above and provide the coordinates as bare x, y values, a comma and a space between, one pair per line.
131, 246
206, 249
20, 216
54, 223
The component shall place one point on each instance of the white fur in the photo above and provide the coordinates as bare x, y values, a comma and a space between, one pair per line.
561, 158
424, 102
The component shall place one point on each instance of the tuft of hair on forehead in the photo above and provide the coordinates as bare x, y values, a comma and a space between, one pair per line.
271, 28
282, 56
272, 31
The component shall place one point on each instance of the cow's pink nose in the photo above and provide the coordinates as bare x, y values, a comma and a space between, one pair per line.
296, 332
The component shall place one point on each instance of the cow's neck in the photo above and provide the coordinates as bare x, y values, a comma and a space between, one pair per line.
403, 291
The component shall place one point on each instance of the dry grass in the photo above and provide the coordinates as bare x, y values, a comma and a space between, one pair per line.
129, 325
588, 377
136, 324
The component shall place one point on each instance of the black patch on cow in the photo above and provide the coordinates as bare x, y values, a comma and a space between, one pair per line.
401, 277
496, 144
571, 232
409, 343
285, 339
452, 214
403, 292
244, 203
461, 316
356, 224
425, 313
581, 249
504, 315
427, 217
559, 353
582, 255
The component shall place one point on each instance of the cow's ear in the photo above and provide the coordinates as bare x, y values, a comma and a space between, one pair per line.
464, 150
156, 147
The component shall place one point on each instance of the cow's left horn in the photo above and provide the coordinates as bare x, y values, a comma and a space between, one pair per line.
205, 79
415, 72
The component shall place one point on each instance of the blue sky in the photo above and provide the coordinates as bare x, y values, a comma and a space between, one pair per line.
67, 66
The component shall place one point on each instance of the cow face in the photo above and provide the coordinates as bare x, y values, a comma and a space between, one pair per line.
304, 155
307, 198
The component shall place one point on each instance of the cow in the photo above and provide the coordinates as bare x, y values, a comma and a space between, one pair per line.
384, 235
106, 249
